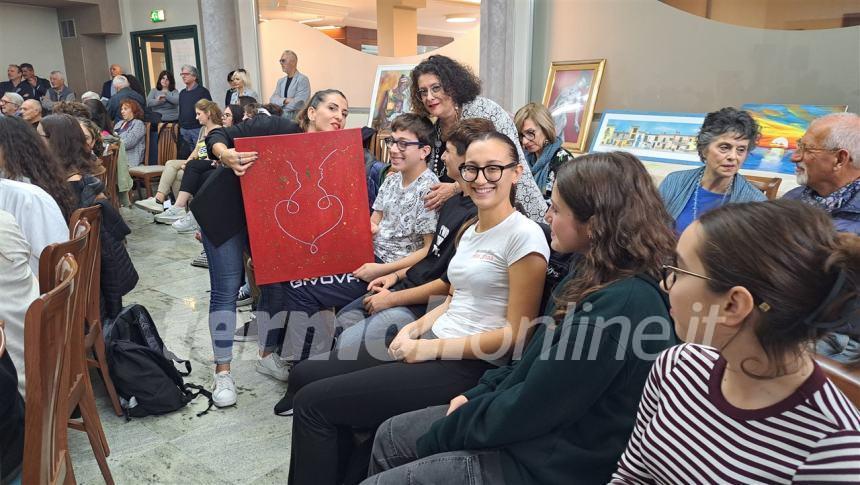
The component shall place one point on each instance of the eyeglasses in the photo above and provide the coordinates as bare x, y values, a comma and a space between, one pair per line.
529, 135
436, 89
492, 173
184, 73
803, 147
669, 276
402, 145
283, 61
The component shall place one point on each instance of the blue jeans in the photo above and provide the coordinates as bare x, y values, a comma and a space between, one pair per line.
187, 141
361, 326
839, 347
226, 271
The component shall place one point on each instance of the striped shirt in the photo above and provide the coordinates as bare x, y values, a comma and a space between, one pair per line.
686, 431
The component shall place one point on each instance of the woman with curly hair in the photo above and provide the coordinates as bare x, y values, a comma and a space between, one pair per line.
563, 412
132, 131
67, 141
444, 89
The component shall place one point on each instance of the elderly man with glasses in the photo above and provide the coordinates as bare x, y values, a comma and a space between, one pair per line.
189, 127
827, 164
10, 103
292, 90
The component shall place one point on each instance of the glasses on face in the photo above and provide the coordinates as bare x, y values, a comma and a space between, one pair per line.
184, 73
669, 274
402, 145
803, 147
435, 89
529, 135
492, 173
283, 61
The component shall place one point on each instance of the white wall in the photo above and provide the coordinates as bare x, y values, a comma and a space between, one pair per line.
30, 34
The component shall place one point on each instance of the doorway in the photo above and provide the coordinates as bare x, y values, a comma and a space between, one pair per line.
165, 50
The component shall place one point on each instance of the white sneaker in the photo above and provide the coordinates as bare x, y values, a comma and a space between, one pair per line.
186, 224
224, 393
273, 366
150, 205
171, 215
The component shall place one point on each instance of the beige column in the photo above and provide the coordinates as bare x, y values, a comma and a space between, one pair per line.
397, 26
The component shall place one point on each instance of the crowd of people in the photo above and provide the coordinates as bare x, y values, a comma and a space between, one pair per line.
530, 316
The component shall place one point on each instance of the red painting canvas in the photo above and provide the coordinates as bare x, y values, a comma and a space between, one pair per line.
306, 205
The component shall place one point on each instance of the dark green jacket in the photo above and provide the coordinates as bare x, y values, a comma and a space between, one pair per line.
564, 412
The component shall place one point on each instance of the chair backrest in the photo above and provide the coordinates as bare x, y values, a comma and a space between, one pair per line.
109, 162
846, 378
46, 330
768, 185
146, 126
91, 266
168, 140
380, 148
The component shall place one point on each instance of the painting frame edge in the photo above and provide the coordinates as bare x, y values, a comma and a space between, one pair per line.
379, 69
597, 65
608, 113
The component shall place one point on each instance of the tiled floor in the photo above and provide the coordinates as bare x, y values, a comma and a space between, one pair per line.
247, 443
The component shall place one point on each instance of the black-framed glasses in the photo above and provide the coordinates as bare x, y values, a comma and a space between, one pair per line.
492, 173
436, 89
402, 145
803, 147
669, 276
529, 135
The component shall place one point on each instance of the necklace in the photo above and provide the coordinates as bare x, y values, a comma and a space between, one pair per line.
696, 195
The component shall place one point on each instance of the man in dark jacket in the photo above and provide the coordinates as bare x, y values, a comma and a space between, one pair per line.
123, 92
828, 170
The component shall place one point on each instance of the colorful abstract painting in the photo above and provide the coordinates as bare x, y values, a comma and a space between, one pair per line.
659, 137
391, 95
781, 126
306, 205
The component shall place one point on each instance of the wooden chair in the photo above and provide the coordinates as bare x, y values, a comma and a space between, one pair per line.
46, 331
76, 382
768, 185
148, 173
109, 162
847, 379
94, 344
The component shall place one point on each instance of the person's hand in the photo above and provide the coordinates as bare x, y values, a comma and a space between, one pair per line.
438, 194
405, 333
374, 228
456, 403
369, 271
377, 302
182, 167
240, 162
383, 282
287, 101
412, 351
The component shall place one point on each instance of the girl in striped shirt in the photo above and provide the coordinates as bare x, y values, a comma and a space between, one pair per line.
744, 401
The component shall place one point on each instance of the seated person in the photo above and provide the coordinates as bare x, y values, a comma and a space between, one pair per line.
745, 393
723, 143
131, 130
563, 411
68, 143
497, 276
402, 297
402, 231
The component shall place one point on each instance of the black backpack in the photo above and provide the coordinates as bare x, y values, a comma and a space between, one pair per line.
142, 368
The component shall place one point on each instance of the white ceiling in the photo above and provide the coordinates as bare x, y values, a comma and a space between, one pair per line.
362, 13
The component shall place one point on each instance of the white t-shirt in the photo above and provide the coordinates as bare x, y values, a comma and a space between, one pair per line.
38, 215
404, 218
479, 274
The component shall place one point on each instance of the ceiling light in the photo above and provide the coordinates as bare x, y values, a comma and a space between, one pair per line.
311, 20
326, 27
460, 18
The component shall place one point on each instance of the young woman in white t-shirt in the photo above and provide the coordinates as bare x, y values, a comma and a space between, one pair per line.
496, 277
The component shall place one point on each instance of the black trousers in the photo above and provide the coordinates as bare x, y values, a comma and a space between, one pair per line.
336, 397
196, 172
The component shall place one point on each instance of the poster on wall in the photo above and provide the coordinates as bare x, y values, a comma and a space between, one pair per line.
570, 95
658, 137
391, 95
306, 205
781, 126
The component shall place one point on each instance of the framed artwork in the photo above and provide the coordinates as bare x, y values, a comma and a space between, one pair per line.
658, 137
305, 202
570, 94
391, 95
781, 126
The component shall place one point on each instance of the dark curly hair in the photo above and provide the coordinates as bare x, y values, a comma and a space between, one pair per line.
24, 155
457, 80
66, 139
630, 229
727, 120
171, 82
74, 108
99, 115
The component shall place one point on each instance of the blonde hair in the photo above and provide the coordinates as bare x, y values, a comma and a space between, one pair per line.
211, 109
540, 116
246, 79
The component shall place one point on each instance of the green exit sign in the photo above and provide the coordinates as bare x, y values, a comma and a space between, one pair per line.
156, 15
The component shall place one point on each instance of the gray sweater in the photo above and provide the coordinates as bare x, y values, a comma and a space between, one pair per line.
168, 107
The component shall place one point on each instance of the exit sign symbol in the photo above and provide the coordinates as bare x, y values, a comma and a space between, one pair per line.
157, 15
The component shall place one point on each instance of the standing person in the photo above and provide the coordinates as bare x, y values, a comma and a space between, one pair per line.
16, 83
292, 90
241, 84
39, 85
723, 143
58, 92
744, 401
132, 131
541, 145
444, 89
230, 90
189, 127
108, 89
123, 91
574, 393
164, 98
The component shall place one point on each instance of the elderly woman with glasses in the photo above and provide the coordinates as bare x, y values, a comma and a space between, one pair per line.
446, 90
723, 144
543, 148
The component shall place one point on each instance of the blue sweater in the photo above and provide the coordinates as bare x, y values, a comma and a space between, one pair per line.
187, 100
677, 188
